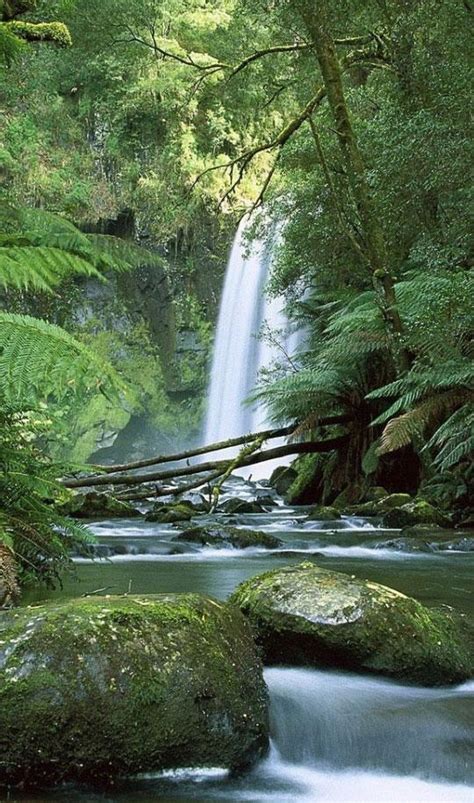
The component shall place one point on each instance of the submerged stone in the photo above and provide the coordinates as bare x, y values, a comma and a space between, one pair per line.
225, 536
307, 615
97, 688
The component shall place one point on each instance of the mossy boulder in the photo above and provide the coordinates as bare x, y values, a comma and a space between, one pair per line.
324, 513
361, 509
392, 501
306, 615
375, 493
95, 505
417, 511
98, 688
236, 505
282, 478
224, 536
307, 487
172, 513
422, 530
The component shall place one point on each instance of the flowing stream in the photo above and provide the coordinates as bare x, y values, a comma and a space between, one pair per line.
336, 737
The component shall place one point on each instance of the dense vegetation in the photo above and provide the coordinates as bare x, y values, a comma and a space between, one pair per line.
349, 121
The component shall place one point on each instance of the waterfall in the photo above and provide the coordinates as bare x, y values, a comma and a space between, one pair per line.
239, 355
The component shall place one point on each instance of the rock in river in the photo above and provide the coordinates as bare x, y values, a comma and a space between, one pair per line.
225, 536
96, 688
306, 615
94, 505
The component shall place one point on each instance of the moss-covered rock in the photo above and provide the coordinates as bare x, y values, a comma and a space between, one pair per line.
95, 688
224, 536
282, 478
361, 509
171, 514
307, 487
422, 531
307, 615
417, 511
324, 513
236, 505
375, 493
392, 501
94, 505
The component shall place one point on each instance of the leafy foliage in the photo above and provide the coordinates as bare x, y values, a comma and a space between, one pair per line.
41, 362
38, 537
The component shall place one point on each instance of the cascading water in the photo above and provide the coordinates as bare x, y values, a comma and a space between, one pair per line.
239, 354
352, 738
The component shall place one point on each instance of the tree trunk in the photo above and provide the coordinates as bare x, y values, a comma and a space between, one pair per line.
315, 17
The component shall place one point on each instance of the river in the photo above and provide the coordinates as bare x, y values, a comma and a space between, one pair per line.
336, 737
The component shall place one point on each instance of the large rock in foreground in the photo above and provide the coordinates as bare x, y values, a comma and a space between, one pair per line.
96, 688
307, 615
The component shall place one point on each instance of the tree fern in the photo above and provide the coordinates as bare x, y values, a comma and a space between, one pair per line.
39, 249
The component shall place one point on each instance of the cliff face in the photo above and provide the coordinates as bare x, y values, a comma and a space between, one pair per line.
155, 324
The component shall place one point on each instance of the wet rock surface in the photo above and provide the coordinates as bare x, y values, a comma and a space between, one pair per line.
236, 505
307, 615
226, 536
97, 688
94, 505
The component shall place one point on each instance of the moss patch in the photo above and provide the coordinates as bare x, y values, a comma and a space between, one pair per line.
307, 615
215, 535
97, 688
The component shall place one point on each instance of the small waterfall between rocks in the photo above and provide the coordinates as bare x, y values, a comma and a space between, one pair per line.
239, 353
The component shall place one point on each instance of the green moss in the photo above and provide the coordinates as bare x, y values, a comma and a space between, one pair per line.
169, 514
97, 505
324, 513
55, 32
305, 614
417, 511
100, 687
303, 490
216, 535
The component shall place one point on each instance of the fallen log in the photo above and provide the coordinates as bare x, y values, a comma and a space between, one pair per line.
168, 490
266, 435
260, 457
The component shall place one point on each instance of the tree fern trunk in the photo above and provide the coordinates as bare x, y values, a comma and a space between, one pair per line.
9, 589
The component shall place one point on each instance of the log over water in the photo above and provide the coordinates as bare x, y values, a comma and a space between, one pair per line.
260, 457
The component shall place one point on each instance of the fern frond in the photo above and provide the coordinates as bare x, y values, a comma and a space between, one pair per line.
39, 358
122, 255
400, 431
40, 268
